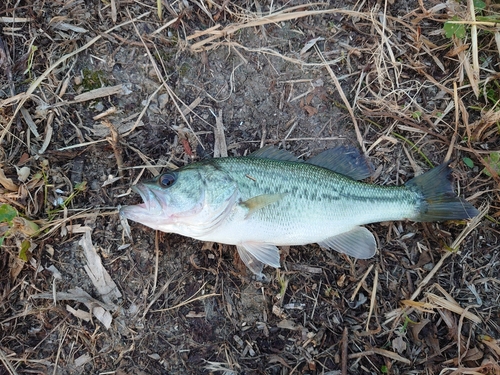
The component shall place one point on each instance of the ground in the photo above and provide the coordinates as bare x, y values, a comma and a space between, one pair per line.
95, 96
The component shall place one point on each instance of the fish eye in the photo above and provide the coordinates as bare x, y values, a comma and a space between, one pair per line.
166, 179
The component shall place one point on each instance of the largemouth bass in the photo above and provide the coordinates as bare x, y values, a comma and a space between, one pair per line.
270, 198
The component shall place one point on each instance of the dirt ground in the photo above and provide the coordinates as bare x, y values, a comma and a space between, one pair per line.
95, 95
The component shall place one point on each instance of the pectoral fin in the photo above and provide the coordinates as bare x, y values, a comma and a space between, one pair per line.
358, 242
256, 255
260, 201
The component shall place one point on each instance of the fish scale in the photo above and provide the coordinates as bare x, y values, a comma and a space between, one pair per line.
316, 192
270, 198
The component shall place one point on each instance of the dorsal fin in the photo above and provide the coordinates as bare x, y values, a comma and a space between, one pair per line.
345, 160
275, 153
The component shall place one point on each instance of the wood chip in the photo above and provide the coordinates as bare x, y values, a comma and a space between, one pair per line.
391, 355
192, 106
29, 121
452, 306
99, 93
96, 271
80, 314
220, 147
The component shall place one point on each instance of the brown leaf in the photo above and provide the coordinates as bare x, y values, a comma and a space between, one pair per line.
473, 354
399, 345
16, 265
310, 110
7, 182
416, 328
491, 343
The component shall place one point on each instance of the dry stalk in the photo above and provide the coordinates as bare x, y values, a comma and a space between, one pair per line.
114, 141
360, 284
373, 299
173, 96
24, 97
344, 99
160, 293
189, 300
474, 51
345, 346
213, 33
6, 362
157, 259
455, 245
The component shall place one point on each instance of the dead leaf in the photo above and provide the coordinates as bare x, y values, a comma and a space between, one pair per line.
220, 147
24, 226
491, 343
416, 328
310, 44
399, 345
80, 314
473, 354
16, 265
194, 314
310, 110
7, 182
457, 50
96, 271
288, 324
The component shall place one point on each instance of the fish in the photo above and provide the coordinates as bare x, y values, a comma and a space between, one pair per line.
271, 198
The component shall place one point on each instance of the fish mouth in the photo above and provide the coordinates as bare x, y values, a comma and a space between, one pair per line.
151, 205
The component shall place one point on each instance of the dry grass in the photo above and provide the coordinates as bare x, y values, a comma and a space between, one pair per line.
96, 96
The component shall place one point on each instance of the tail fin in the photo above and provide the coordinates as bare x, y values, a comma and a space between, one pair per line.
439, 202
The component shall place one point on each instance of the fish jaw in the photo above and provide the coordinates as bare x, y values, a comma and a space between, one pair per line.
153, 206
165, 210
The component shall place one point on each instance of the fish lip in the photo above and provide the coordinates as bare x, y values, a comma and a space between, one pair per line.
142, 190
151, 205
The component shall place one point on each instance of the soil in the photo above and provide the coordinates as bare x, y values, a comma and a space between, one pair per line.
174, 305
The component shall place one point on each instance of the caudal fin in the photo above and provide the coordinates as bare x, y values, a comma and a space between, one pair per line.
439, 202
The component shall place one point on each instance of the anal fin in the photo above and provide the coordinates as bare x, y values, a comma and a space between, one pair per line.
358, 243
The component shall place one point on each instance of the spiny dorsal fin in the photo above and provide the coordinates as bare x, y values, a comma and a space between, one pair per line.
271, 152
345, 160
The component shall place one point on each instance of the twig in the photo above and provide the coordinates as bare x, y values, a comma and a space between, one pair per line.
175, 98
59, 351
344, 99
114, 141
475, 55
361, 283
469, 228
45, 74
6, 363
345, 345
373, 299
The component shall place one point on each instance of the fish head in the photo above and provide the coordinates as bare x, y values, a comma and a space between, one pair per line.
189, 201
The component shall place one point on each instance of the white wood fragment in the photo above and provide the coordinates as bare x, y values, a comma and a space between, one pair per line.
82, 360
101, 279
